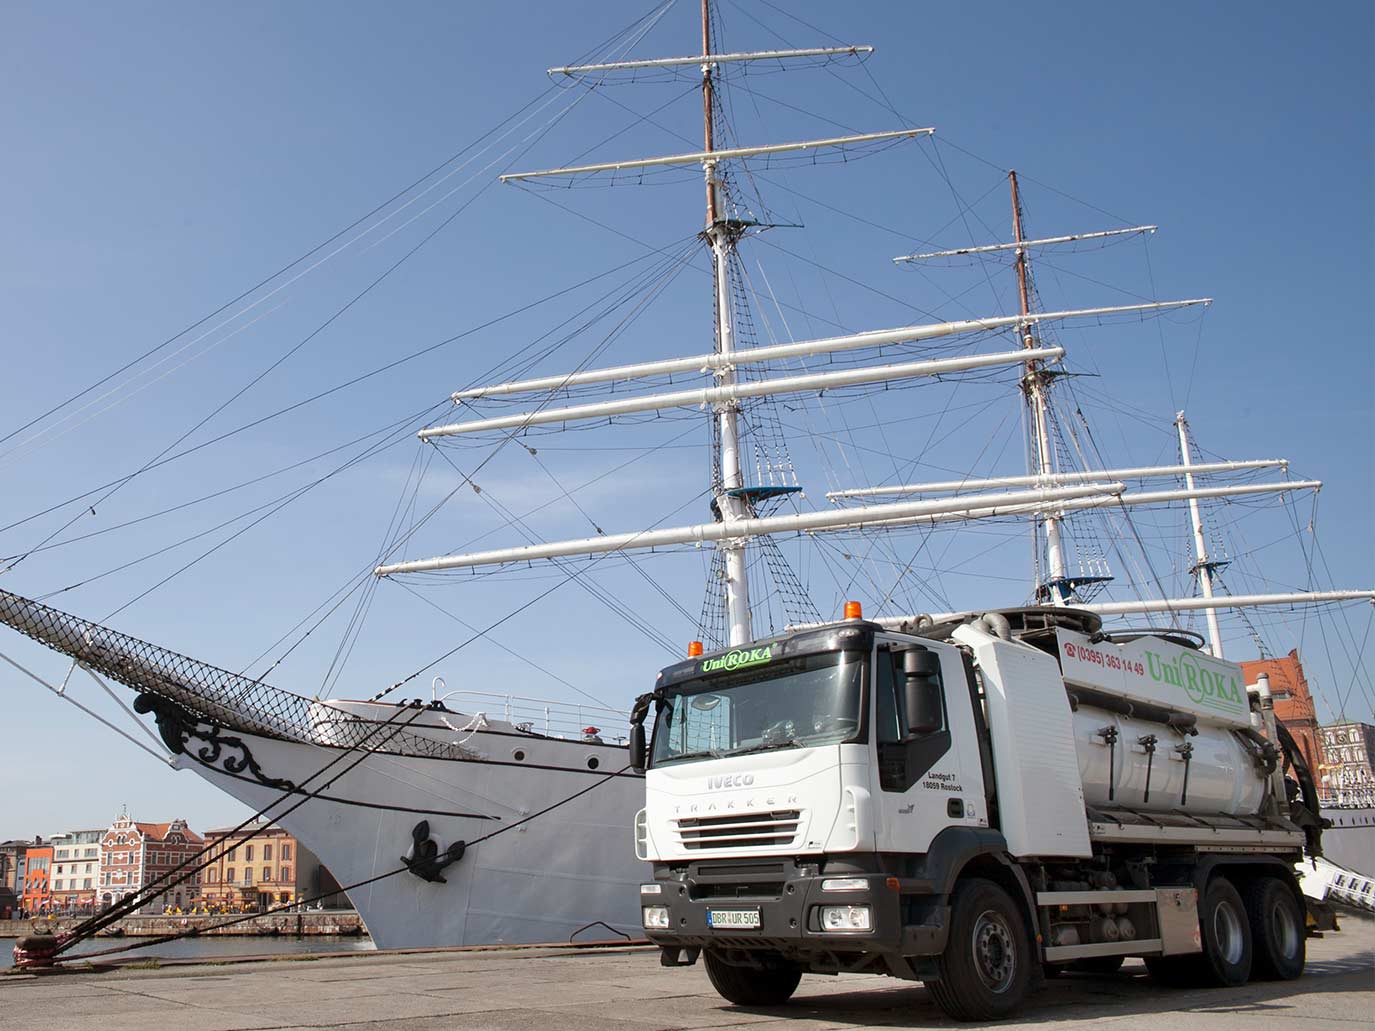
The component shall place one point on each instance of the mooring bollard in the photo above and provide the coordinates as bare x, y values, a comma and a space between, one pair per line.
35, 951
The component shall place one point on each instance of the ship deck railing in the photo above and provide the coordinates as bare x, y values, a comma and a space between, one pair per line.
541, 716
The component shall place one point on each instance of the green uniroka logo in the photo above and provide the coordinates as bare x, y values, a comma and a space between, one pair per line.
1213, 688
740, 658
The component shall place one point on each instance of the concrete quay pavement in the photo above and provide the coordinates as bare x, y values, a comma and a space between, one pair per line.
625, 989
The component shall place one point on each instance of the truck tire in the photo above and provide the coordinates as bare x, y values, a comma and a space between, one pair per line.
1226, 932
1277, 929
751, 986
986, 966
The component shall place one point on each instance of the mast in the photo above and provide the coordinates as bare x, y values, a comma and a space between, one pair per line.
1056, 586
1203, 567
731, 501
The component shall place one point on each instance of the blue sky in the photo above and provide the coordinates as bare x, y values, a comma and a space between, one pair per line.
162, 159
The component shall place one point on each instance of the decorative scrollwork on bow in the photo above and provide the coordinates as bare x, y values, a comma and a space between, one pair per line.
178, 729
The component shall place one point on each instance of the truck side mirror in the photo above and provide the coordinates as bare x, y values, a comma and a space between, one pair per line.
922, 691
637, 747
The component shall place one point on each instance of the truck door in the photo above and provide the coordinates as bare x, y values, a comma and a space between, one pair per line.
924, 781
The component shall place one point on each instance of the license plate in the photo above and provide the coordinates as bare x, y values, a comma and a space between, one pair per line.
732, 918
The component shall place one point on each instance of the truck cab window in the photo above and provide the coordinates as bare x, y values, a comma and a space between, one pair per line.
887, 700
905, 757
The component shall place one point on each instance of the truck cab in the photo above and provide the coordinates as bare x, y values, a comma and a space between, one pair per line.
855, 798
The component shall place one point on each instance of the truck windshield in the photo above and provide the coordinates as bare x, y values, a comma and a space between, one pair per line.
793, 703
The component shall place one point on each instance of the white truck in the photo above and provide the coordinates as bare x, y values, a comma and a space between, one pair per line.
974, 805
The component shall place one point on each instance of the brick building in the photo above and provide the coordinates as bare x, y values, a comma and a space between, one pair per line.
37, 896
1348, 775
13, 854
12, 863
135, 854
1293, 702
75, 877
259, 867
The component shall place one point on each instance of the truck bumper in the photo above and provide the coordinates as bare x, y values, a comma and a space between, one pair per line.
906, 920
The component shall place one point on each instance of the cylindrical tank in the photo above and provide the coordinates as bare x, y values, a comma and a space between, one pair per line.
1222, 777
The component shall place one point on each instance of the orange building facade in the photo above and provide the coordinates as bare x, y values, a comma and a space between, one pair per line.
37, 896
259, 867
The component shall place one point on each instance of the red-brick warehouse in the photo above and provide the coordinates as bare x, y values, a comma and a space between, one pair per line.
1293, 702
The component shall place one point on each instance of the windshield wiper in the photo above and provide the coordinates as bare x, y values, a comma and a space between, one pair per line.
706, 753
768, 746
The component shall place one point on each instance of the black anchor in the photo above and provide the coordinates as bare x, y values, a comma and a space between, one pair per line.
425, 860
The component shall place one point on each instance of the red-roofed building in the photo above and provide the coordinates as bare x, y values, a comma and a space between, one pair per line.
1293, 703
136, 854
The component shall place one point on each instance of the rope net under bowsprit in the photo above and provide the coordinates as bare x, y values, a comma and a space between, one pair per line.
204, 692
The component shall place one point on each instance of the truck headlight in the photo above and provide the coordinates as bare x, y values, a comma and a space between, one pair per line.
651, 889
656, 917
844, 884
842, 918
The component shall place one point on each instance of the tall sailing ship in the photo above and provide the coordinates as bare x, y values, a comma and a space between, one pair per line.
513, 816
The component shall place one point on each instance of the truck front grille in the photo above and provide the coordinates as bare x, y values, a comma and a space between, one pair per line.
751, 890
746, 830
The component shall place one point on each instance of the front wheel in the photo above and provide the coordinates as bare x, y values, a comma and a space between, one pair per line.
986, 966
751, 986
1277, 929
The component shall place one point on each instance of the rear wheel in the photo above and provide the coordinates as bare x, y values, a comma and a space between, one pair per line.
1226, 934
1277, 929
986, 965
752, 986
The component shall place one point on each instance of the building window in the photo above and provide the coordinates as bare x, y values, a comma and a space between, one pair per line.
267, 873
229, 877
231, 855
86, 883
247, 876
267, 851
286, 874
248, 853
286, 851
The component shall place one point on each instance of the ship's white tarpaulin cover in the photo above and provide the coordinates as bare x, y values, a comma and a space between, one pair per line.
1158, 672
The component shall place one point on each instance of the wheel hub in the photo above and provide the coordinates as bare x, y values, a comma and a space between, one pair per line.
1227, 933
995, 954
1283, 931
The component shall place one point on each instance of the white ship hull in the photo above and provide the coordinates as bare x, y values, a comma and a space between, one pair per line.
543, 881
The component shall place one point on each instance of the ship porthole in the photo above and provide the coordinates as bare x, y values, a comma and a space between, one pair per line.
593, 763
518, 755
